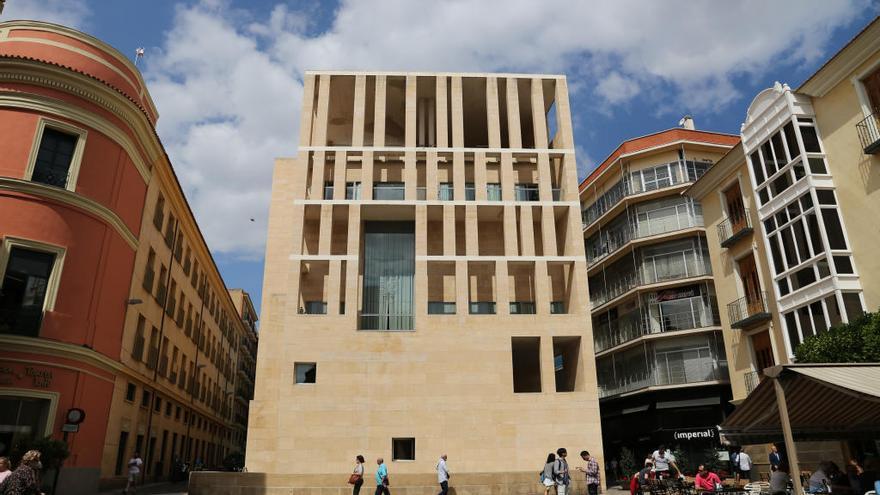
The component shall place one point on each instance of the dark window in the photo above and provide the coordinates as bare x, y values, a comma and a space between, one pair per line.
120, 452
145, 399
441, 308
822, 267
764, 196
526, 357
315, 308
778, 266
806, 202
788, 247
783, 287
557, 308
305, 372
815, 238
803, 315
769, 162
53, 159
403, 449
803, 277
522, 308
781, 218
24, 291
159, 213
818, 317
780, 184
791, 140
811, 140
833, 310
817, 165
756, 167
130, 392
801, 238
157, 406
843, 264
825, 197
167, 408
769, 225
833, 229
779, 150
566, 362
852, 304
799, 172
791, 329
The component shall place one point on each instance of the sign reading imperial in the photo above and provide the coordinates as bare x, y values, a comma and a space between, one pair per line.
698, 434
41, 378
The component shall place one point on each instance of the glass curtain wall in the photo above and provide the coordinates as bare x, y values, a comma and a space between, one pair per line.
389, 270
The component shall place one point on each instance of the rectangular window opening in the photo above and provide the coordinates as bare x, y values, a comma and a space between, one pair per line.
403, 449
526, 360
566, 363
305, 373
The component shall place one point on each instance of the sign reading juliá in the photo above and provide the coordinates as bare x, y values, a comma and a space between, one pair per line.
696, 434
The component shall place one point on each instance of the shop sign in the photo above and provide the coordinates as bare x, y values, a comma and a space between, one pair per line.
678, 293
70, 428
39, 377
695, 434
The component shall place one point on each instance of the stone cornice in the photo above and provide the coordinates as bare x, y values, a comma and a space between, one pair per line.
69, 198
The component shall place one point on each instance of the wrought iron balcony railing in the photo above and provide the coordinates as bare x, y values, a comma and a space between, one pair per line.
734, 228
749, 310
869, 133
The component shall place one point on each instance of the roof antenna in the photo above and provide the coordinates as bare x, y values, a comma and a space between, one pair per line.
138, 54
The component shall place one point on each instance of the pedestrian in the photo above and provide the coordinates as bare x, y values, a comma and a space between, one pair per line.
591, 472
745, 466
442, 475
779, 479
662, 461
382, 478
706, 480
646, 473
357, 476
4, 468
775, 457
25, 480
560, 472
547, 478
134, 470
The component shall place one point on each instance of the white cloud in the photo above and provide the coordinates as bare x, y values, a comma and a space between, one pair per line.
228, 82
72, 13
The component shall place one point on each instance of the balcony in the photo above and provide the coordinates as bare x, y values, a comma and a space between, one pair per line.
751, 379
748, 311
619, 284
869, 133
615, 239
526, 192
734, 228
482, 308
632, 326
701, 370
389, 192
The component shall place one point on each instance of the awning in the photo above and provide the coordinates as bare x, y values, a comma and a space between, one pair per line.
825, 402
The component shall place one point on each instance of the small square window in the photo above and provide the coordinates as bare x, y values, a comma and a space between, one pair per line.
403, 449
130, 392
305, 372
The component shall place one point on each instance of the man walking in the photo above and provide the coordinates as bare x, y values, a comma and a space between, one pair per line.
594, 481
560, 472
134, 470
382, 478
443, 475
745, 466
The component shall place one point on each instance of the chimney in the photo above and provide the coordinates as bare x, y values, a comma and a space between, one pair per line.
687, 122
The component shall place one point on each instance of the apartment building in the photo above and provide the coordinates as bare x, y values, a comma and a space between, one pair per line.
792, 209
425, 288
247, 364
117, 333
660, 355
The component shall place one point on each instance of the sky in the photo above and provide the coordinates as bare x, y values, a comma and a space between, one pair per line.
226, 75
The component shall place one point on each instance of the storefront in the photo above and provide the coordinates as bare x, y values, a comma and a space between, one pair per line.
36, 393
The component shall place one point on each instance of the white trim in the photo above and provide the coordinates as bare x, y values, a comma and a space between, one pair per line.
75, 160
54, 277
52, 397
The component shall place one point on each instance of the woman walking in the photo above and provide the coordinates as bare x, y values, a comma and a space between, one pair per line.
357, 476
25, 480
547, 478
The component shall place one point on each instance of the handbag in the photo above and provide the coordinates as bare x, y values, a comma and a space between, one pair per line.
354, 478
386, 481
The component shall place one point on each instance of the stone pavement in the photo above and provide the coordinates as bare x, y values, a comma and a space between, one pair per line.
154, 489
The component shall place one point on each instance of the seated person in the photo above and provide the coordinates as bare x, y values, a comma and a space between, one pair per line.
706, 480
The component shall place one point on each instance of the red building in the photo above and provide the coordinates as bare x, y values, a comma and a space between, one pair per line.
81, 173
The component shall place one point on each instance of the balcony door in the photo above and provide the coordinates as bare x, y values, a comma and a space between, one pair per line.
763, 351
736, 211
872, 89
748, 273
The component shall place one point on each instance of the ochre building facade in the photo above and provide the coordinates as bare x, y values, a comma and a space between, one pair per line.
425, 287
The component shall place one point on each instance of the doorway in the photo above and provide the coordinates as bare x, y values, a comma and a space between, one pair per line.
736, 210
763, 350
748, 273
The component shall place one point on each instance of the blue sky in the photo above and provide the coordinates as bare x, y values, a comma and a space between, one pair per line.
226, 74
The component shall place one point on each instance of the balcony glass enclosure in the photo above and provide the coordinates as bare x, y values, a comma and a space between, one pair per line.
389, 270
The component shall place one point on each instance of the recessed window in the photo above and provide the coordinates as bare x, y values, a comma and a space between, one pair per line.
305, 372
403, 449
145, 399
25, 285
441, 308
130, 392
566, 363
157, 406
52, 166
526, 360
315, 308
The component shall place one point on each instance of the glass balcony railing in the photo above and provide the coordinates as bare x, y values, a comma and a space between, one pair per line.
614, 239
386, 192
522, 308
445, 192
482, 308
493, 192
633, 325
525, 192
682, 371
649, 272
387, 322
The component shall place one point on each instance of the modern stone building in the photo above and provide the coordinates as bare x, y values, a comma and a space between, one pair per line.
659, 349
425, 287
111, 304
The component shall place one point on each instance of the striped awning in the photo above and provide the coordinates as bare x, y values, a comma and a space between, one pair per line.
825, 402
